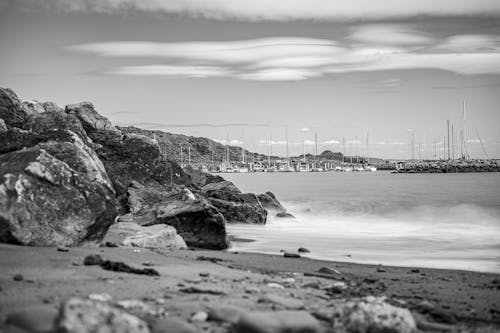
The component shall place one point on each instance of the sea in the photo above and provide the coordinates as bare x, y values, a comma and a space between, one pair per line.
425, 220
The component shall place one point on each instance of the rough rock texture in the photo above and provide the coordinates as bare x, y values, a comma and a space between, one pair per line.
34, 106
269, 201
135, 158
12, 110
373, 314
88, 116
44, 123
236, 207
156, 236
51, 106
3, 126
192, 215
84, 315
45, 202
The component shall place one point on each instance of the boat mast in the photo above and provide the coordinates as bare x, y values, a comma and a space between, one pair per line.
448, 129
452, 143
464, 135
286, 140
269, 150
367, 155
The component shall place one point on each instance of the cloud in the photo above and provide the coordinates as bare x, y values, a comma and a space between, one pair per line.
330, 142
388, 34
278, 10
233, 142
295, 59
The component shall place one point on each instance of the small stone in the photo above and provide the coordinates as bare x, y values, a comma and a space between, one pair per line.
111, 244
287, 303
424, 306
288, 280
277, 322
229, 314
275, 285
147, 264
75, 263
18, 277
101, 297
291, 255
380, 270
329, 270
92, 259
204, 274
415, 270
35, 318
311, 284
200, 316
173, 325
303, 250
61, 248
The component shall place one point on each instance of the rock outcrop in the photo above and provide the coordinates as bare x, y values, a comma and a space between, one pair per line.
12, 110
45, 202
88, 116
3, 126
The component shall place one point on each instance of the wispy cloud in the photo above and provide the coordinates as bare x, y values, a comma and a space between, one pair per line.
294, 59
234, 142
279, 10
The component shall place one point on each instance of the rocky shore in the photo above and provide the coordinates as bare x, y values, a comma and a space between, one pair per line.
101, 233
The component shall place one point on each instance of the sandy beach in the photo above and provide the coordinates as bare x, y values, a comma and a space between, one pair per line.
195, 281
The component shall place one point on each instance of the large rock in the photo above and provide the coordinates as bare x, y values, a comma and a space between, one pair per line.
88, 316
12, 110
45, 202
90, 119
135, 158
46, 122
269, 202
236, 207
372, 314
156, 236
34, 106
192, 215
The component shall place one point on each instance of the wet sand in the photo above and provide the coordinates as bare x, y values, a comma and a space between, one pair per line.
461, 298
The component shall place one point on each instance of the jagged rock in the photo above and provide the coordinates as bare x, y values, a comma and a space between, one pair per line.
12, 111
52, 107
90, 119
85, 315
46, 122
3, 126
34, 106
200, 178
372, 314
236, 207
45, 202
194, 218
132, 158
156, 236
277, 322
269, 201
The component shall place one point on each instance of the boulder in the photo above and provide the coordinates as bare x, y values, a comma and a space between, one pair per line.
46, 122
3, 126
88, 116
201, 178
12, 110
51, 107
45, 202
236, 207
372, 314
85, 315
191, 214
156, 236
269, 202
34, 106
134, 158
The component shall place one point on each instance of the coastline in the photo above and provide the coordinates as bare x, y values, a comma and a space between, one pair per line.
462, 299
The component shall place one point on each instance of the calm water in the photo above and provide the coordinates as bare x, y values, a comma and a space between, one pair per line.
428, 220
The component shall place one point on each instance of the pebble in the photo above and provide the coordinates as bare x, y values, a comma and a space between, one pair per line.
288, 280
101, 297
288, 303
380, 270
303, 250
204, 274
18, 277
277, 322
92, 259
291, 255
329, 270
275, 285
173, 325
61, 248
311, 284
229, 314
111, 244
147, 264
35, 319
200, 316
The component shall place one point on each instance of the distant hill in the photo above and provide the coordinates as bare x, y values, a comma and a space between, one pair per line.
204, 150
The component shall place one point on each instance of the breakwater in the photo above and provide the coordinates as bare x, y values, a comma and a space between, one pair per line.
448, 166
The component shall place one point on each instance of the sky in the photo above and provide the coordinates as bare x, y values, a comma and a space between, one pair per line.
367, 73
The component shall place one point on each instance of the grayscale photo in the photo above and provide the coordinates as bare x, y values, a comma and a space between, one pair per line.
249, 166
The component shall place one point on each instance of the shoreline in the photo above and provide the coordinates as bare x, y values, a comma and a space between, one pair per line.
461, 298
